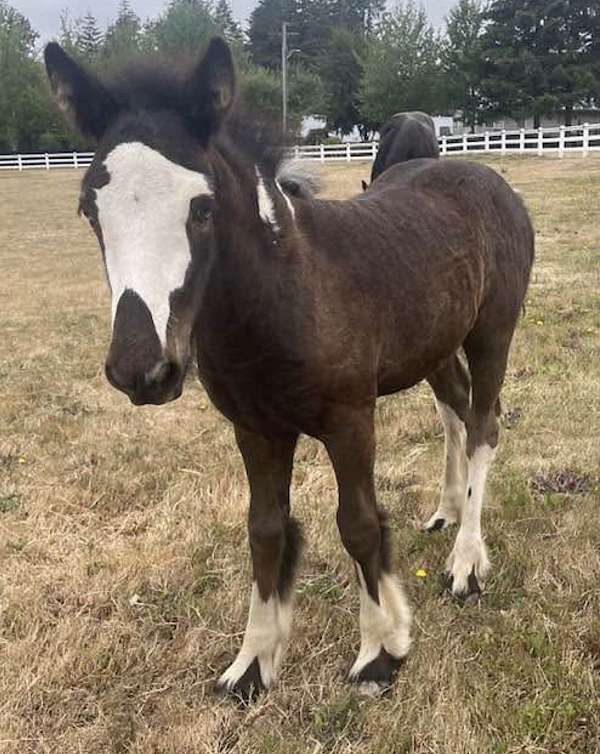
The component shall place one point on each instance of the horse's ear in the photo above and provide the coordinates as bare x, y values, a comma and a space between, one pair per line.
87, 104
211, 87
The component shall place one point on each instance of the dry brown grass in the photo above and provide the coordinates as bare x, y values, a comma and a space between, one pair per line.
123, 565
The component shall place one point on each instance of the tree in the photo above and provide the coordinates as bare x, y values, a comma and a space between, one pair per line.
228, 26
264, 30
124, 36
341, 70
401, 66
540, 56
261, 91
184, 28
88, 37
23, 110
461, 60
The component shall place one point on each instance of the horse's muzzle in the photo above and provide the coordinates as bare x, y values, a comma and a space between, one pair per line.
160, 384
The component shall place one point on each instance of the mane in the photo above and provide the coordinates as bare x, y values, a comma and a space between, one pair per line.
156, 84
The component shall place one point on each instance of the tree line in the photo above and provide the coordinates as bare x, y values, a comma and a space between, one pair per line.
352, 62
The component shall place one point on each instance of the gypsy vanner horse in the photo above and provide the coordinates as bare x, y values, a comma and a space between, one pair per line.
406, 136
300, 313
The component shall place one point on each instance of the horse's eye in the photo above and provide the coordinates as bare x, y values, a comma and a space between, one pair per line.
201, 208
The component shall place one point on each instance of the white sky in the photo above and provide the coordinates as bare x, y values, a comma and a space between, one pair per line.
44, 14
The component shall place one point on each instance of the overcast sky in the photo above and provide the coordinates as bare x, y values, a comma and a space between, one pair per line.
44, 14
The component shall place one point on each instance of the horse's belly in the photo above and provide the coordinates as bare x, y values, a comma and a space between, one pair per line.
419, 347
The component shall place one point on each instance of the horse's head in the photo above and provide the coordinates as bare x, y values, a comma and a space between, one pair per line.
149, 197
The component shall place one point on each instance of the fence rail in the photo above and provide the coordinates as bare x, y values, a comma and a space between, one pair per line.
557, 140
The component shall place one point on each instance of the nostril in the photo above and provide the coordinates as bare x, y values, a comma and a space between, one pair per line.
161, 373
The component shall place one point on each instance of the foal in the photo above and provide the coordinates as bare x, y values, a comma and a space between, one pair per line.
301, 312
406, 136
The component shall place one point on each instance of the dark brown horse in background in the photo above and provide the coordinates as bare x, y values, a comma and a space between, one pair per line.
301, 312
406, 136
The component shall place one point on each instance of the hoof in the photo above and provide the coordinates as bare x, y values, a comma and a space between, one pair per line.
469, 596
440, 521
435, 525
378, 675
246, 688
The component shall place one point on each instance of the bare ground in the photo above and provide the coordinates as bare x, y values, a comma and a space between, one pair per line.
124, 571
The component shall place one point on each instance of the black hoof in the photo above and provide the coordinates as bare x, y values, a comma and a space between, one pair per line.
247, 688
380, 672
436, 525
470, 596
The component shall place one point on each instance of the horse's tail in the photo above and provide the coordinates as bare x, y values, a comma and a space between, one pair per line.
299, 180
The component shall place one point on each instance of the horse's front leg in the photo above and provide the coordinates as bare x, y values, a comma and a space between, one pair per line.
274, 544
384, 611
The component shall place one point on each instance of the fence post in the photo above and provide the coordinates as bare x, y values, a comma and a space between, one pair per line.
75, 163
444, 144
586, 139
540, 142
374, 149
486, 141
503, 141
322, 151
465, 143
296, 152
348, 153
522, 140
561, 141
47, 161
20, 162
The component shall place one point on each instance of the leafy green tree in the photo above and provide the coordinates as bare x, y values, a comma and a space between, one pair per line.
461, 60
23, 107
401, 66
261, 91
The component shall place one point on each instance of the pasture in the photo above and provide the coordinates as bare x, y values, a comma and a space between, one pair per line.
124, 567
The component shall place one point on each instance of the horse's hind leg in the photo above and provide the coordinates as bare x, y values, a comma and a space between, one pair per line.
468, 563
451, 385
384, 612
274, 544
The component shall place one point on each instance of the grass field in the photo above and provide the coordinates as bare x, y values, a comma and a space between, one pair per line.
124, 571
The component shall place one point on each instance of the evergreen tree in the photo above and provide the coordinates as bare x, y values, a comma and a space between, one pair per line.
88, 37
461, 59
540, 56
228, 26
184, 28
341, 71
264, 30
123, 36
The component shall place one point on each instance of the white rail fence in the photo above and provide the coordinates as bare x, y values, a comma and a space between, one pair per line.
556, 140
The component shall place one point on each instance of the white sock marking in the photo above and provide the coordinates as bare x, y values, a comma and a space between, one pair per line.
454, 481
266, 208
266, 636
143, 211
469, 549
288, 201
385, 625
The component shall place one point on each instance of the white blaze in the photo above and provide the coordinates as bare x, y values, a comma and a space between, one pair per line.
143, 212
266, 208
